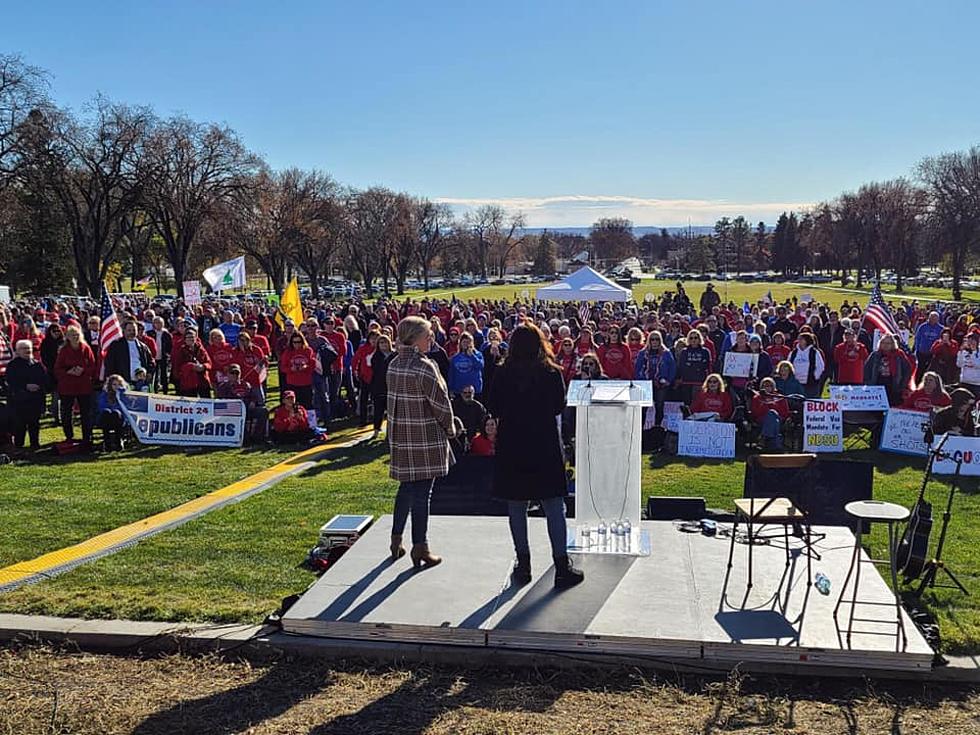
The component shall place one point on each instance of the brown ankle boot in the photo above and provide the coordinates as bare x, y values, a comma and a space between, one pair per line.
421, 557
397, 550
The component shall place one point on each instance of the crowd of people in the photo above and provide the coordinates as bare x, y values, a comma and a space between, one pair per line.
334, 363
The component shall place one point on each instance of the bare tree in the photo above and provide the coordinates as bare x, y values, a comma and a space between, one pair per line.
433, 223
371, 214
23, 89
952, 182
192, 168
93, 168
320, 222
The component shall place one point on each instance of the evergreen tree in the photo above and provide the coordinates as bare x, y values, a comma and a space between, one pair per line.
544, 256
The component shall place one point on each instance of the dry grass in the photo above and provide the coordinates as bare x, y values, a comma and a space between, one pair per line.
43, 691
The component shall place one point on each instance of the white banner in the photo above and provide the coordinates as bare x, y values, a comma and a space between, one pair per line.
192, 293
958, 448
823, 426
860, 397
706, 439
196, 422
740, 364
903, 432
230, 274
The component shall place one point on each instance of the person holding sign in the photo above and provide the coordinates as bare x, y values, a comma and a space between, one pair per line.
889, 367
713, 398
968, 361
930, 394
769, 412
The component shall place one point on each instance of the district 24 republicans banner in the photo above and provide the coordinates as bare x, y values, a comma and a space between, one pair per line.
198, 422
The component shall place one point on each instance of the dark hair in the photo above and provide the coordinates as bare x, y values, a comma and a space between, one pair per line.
529, 346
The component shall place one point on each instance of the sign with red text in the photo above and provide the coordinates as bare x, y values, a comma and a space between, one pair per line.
823, 426
860, 397
962, 450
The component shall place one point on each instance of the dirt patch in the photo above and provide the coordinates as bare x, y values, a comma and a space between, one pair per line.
48, 691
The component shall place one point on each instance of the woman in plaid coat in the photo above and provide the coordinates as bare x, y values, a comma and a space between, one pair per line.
420, 425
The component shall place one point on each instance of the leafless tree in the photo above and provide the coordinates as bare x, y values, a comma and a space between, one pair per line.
433, 224
23, 89
319, 226
93, 167
191, 169
372, 217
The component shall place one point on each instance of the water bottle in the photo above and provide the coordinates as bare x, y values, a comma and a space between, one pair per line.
822, 583
602, 536
586, 536
627, 535
617, 537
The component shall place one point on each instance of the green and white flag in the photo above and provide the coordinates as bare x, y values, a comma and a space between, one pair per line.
227, 275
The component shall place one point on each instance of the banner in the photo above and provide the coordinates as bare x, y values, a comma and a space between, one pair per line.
823, 426
706, 439
230, 274
860, 397
965, 449
195, 422
192, 293
740, 364
903, 432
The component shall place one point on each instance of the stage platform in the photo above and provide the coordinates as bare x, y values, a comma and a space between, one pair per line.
677, 604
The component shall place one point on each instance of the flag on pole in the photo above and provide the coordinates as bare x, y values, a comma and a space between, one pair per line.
584, 311
227, 275
881, 317
290, 306
109, 331
142, 283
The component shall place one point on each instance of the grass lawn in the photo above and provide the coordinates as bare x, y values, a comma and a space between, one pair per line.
238, 562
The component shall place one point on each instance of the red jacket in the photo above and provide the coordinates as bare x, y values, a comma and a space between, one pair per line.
262, 343
616, 362
221, 356
284, 423
339, 343
151, 345
919, 400
850, 360
253, 364
719, 403
68, 358
185, 377
361, 366
763, 403
296, 366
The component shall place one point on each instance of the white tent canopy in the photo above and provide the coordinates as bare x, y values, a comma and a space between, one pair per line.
584, 284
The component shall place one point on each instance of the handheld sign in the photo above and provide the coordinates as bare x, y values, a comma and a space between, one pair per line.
192, 293
706, 439
903, 432
823, 426
740, 364
970, 369
672, 416
860, 397
965, 449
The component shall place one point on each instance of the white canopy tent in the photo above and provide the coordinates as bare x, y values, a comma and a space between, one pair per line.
584, 284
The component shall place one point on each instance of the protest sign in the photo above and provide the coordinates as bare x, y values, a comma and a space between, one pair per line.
877, 338
823, 426
806, 298
198, 422
970, 368
672, 416
706, 439
192, 293
964, 449
903, 432
740, 364
860, 397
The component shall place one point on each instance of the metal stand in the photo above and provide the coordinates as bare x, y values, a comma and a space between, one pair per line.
936, 564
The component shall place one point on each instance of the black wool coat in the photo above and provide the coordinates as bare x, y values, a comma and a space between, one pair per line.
529, 463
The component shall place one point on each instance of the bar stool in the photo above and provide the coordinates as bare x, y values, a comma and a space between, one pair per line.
872, 511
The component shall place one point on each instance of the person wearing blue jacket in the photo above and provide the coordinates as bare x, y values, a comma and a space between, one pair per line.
656, 364
466, 367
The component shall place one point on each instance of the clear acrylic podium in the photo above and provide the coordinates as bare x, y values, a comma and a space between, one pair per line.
608, 429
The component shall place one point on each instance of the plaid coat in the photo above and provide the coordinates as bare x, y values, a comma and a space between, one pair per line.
420, 418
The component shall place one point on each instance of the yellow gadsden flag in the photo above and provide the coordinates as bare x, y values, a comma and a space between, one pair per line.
290, 306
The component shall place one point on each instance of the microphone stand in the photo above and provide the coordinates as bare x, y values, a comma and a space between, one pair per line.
936, 564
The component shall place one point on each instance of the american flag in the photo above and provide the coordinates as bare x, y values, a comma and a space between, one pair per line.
110, 330
881, 317
227, 408
583, 313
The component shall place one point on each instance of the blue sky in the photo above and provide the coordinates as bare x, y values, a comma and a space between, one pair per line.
569, 111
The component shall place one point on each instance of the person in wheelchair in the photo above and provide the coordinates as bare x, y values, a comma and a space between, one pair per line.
769, 411
957, 418
713, 403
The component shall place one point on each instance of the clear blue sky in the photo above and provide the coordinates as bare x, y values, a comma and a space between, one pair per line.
568, 110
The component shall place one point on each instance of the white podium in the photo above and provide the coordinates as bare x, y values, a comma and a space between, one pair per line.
608, 428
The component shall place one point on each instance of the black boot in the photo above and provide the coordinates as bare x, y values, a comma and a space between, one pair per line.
522, 570
566, 575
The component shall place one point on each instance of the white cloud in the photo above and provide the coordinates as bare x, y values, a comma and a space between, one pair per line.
580, 210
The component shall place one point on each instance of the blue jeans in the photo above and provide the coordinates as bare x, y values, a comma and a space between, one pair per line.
413, 496
554, 511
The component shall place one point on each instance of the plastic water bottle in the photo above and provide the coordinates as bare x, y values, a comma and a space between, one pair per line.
822, 583
602, 536
617, 537
627, 535
586, 536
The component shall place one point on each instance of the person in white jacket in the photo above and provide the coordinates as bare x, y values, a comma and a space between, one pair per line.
808, 364
968, 361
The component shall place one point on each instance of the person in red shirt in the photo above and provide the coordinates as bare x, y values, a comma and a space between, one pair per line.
713, 398
567, 359
290, 422
452, 342
252, 360
930, 394
74, 371
191, 364
849, 358
769, 411
222, 355
258, 339
484, 444
361, 368
635, 341
943, 360
617, 362
585, 343
296, 365
778, 350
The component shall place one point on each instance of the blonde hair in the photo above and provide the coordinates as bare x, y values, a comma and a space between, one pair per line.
411, 328
787, 363
709, 378
74, 329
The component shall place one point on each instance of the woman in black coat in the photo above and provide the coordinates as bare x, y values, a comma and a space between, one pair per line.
380, 360
526, 397
26, 385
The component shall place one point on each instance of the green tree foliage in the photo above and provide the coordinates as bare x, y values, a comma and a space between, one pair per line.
544, 256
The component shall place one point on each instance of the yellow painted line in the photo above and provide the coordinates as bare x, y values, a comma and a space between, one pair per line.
73, 555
